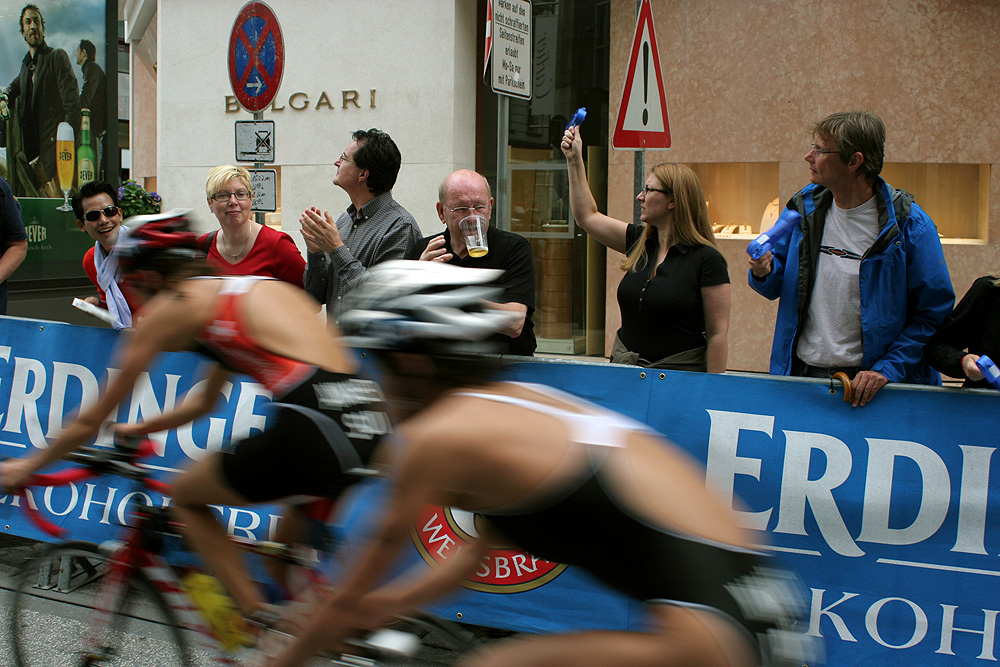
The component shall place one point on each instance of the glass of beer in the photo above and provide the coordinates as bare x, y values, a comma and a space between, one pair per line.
65, 162
474, 230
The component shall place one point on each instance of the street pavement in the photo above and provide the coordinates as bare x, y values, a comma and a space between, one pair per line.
62, 619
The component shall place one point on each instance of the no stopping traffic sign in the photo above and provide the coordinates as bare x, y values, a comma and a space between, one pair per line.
256, 56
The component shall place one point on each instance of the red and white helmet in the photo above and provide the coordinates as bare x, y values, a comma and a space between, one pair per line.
151, 238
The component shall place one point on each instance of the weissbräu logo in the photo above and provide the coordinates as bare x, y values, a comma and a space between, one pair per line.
439, 534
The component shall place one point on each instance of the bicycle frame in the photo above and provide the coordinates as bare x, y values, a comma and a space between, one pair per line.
135, 553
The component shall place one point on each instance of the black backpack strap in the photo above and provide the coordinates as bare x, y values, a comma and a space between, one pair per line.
209, 240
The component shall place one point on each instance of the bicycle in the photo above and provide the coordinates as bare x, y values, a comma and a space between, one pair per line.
135, 606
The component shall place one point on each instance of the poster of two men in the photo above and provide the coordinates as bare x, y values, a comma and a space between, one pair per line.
53, 57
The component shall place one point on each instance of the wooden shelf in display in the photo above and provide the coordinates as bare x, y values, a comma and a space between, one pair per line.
738, 193
956, 196
745, 194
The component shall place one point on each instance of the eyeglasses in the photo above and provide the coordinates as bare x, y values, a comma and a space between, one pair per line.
646, 189
241, 195
344, 158
466, 210
94, 216
813, 148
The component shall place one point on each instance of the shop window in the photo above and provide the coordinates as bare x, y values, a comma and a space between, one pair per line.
956, 196
742, 197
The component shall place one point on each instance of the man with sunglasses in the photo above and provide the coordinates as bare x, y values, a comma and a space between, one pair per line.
464, 193
98, 215
374, 228
862, 281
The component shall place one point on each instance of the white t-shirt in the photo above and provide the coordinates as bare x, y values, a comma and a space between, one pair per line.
831, 335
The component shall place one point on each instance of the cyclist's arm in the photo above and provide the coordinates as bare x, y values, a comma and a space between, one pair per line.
419, 586
197, 404
411, 489
140, 349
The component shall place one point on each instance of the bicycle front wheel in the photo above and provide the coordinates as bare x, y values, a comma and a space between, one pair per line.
65, 613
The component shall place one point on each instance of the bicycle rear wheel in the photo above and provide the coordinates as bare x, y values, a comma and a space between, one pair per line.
54, 622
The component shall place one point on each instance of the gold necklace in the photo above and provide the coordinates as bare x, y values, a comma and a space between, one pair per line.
225, 244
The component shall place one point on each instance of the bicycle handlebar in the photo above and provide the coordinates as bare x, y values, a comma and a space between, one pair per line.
95, 461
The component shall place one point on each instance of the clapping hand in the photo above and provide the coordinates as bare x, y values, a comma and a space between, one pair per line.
319, 230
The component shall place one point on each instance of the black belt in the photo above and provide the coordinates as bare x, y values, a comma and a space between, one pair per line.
803, 369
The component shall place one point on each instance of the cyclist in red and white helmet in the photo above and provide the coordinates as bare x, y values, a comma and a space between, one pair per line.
329, 418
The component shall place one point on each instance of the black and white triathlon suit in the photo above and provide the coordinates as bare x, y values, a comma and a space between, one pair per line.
585, 524
328, 424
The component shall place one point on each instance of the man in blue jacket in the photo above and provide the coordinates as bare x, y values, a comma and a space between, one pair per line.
862, 281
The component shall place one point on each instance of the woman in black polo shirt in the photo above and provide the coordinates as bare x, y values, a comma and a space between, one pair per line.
675, 295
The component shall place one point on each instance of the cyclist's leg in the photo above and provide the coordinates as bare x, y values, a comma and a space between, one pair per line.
291, 529
194, 491
294, 457
681, 638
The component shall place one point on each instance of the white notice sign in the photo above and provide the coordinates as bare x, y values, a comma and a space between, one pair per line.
511, 74
255, 141
265, 190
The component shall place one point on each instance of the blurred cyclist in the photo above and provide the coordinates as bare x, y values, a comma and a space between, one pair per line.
329, 419
548, 473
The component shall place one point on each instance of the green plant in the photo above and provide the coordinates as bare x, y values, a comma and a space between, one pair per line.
134, 200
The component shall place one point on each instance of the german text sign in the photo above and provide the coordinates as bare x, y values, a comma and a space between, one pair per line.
511, 73
265, 190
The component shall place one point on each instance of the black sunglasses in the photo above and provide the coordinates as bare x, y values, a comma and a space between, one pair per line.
94, 216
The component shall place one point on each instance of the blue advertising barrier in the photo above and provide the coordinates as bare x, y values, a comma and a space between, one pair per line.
883, 511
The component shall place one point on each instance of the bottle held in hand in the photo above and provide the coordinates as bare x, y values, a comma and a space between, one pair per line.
989, 370
765, 243
577, 118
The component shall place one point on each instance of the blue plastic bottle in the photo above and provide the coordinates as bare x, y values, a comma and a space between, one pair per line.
989, 370
577, 118
764, 243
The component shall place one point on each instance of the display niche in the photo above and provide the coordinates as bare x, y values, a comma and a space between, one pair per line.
743, 197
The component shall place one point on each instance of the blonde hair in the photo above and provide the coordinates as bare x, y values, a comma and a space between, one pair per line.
691, 225
221, 175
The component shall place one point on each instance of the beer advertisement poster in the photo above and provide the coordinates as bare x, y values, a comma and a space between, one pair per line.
58, 114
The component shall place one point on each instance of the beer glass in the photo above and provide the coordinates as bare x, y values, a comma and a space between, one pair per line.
65, 162
474, 229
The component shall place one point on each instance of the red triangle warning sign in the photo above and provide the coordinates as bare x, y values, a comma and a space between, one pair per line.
642, 116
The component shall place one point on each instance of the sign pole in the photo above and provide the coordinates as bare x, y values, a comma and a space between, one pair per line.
639, 168
259, 216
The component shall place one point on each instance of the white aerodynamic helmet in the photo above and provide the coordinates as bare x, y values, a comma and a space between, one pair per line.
425, 306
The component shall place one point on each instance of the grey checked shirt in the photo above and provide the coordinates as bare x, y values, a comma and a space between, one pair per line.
380, 231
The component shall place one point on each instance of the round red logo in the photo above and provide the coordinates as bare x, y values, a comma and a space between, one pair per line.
441, 531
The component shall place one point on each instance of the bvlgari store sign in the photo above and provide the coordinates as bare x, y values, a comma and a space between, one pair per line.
346, 99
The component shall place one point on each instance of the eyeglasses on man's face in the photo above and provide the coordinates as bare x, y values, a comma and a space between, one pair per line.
95, 215
646, 189
813, 148
241, 195
468, 210
344, 158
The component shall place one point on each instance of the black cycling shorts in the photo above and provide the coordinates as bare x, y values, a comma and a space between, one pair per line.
306, 452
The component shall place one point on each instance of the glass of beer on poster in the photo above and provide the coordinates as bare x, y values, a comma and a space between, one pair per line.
65, 162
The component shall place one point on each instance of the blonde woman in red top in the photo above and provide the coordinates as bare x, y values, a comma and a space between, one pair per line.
241, 246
